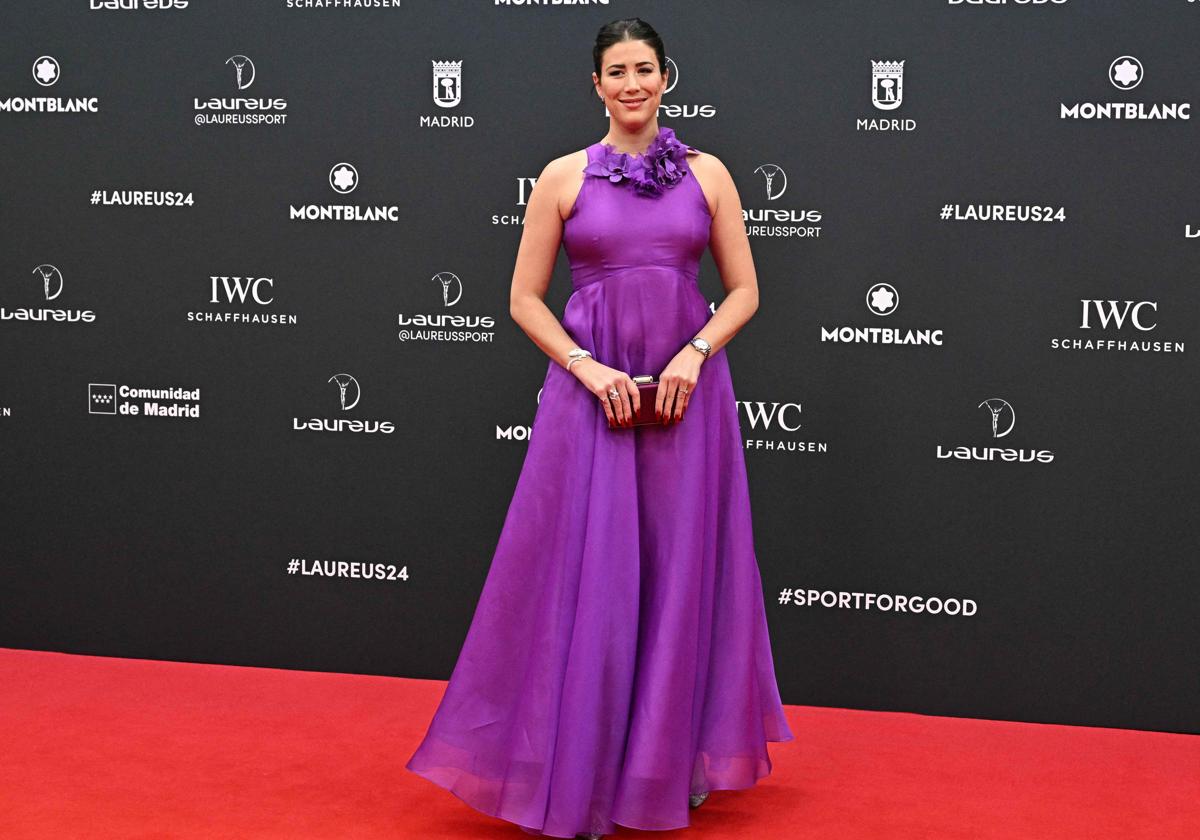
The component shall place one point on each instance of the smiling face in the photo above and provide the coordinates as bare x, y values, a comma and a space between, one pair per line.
631, 83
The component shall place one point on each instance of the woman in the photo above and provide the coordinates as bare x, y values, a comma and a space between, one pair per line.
618, 667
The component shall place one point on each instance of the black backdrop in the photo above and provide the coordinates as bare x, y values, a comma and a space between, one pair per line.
171, 537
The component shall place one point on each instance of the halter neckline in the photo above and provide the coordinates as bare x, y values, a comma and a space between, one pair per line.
634, 155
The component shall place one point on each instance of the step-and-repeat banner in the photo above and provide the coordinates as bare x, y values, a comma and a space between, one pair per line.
262, 401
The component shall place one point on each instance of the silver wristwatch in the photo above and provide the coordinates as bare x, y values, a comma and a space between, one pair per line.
701, 345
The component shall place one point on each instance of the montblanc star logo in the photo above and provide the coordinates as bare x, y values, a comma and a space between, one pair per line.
883, 299
46, 70
1125, 73
343, 178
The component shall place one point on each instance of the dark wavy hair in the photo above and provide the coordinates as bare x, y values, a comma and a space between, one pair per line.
628, 29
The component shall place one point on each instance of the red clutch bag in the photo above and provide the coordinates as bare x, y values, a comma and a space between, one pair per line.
647, 387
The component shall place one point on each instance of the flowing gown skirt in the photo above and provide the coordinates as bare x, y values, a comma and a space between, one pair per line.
618, 658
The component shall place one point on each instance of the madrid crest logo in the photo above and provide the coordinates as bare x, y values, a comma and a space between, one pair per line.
447, 83
887, 84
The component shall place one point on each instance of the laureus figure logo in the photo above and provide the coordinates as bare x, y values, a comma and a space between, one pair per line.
240, 63
771, 172
344, 381
449, 279
998, 407
49, 272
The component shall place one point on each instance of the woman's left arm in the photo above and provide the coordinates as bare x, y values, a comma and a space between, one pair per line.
731, 251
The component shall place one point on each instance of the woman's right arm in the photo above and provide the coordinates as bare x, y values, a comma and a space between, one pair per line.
540, 241
536, 254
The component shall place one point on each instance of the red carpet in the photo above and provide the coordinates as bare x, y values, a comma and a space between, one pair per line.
99, 747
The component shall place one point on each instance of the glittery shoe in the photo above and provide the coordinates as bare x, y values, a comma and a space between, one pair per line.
695, 799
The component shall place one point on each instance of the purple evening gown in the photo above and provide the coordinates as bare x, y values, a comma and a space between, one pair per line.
618, 658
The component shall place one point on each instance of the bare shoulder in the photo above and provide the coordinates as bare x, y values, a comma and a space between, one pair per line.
563, 176
712, 175
706, 163
566, 165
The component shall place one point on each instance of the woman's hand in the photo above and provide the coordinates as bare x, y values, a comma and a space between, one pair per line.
600, 379
676, 384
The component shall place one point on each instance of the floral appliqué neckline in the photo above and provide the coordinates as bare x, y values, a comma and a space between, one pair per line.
662, 165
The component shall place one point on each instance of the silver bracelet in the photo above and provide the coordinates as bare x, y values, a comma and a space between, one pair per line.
576, 354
